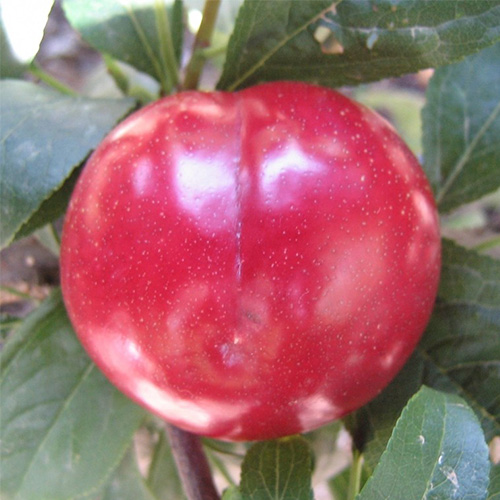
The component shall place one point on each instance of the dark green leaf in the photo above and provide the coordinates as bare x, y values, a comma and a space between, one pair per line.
343, 43
44, 135
461, 129
437, 450
126, 483
279, 469
51, 208
21, 33
64, 427
232, 493
461, 347
146, 35
494, 488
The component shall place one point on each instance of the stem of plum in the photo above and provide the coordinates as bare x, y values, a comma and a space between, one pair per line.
192, 464
169, 72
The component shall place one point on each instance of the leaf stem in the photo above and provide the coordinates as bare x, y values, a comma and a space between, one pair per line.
119, 77
219, 464
168, 58
124, 84
22, 295
202, 41
43, 76
355, 474
211, 52
211, 444
488, 244
55, 235
192, 464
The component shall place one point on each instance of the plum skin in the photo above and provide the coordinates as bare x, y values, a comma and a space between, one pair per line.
254, 264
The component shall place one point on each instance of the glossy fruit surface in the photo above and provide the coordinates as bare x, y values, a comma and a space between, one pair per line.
250, 265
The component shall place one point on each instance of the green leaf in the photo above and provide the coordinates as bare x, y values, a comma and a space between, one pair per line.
145, 34
279, 469
64, 427
126, 483
44, 136
51, 208
461, 347
339, 485
437, 450
344, 43
494, 488
232, 493
21, 33
461, 124
7, 323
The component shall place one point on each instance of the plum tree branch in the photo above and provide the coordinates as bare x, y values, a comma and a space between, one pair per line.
192, 464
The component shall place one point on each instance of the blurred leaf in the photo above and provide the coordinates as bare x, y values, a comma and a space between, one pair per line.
461, 347
21, 33
328, 445
49, 238
44, 135
126, 483
232, 493
7, 323
163, 479
494, 488
277, 469
401, 107
10, 67
437, 450
147, 34
461, 129
344, 43
339, 485
64, 427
